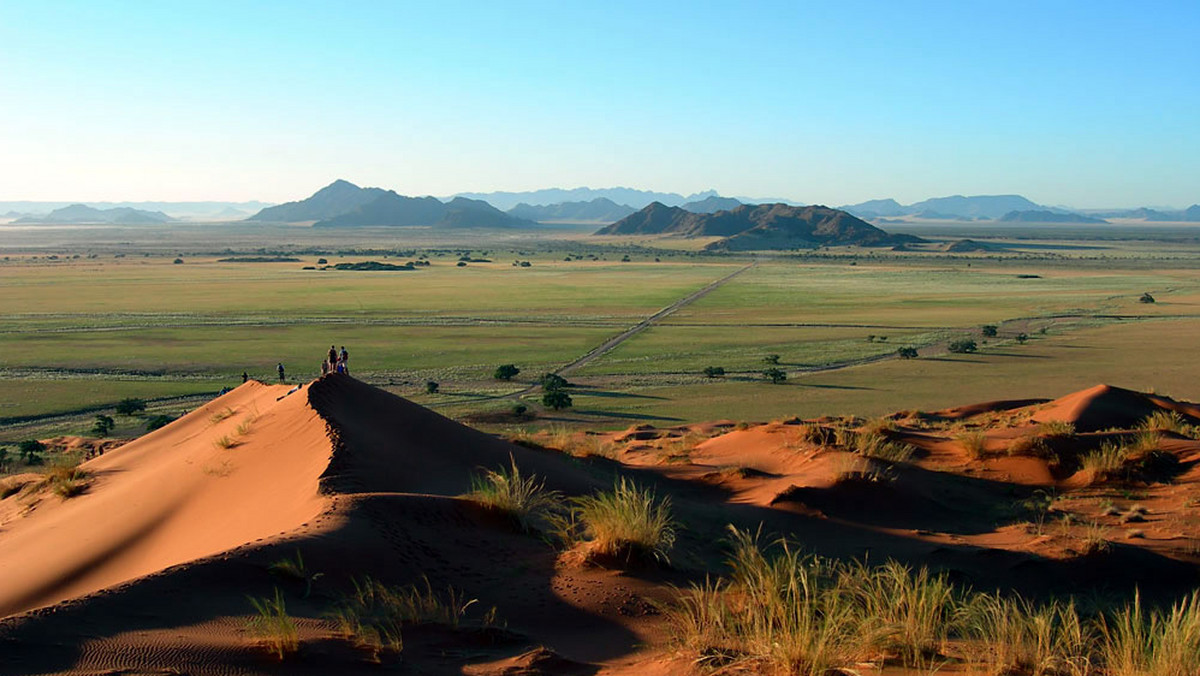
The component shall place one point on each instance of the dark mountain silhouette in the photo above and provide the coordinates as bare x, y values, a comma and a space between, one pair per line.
711, 205
398, 210
765, 226
1043, 216
635, 198
79, 213
334, 199
599, 210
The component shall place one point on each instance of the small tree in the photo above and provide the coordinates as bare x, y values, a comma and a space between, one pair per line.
104, 425
519, 410
130, 406
989, 330
714, 371
506, 372
30, 451
553, 381
907, 353
556, 399
963, 346
431, 387
1021, 338
771, 359
775, 375
1146, 298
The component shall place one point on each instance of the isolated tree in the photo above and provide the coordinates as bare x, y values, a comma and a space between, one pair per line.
30, 451
775, 375
519, 410
771, 359
553, 381
907, 353
104, 425
130, 406
1021, 338
431, 387
714, 371
871, 338
556, 399
963, 346
506, 372
1146, 298
989, 330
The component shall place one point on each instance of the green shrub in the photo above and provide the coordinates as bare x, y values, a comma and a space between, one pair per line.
775, 375
131, 406
506, 372
714, 371
989, 330
556, 399
431, 387
553, 381
157, 421
962, 346
907, 353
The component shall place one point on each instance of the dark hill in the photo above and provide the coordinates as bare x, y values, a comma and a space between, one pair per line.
391, 209
599, 210
711, 205
885, 208
334, 199
765, 226
1043, 216
79, 213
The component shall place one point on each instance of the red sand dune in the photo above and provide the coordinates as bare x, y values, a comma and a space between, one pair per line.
149, 570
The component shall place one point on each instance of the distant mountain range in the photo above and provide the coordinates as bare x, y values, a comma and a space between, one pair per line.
1191, 214
1044, 216
599, 210
195, 211
81, 213
711, 205
981, 207
343, 204
764, 226
630, 196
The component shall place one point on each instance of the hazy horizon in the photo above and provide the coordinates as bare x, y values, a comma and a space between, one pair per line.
1086, 106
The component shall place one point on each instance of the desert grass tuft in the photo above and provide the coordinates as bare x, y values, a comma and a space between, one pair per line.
628, 522
273, 626
221, 415
1056, 429
1166, 421
973, 443
524, 498
226, 442
66, 481
1137, 642
908, 613
1106, 462
1011, 635
1028, 445
374, 614
876, 445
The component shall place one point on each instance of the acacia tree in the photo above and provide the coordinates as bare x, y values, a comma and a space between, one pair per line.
556, 399
506, 372
775, 375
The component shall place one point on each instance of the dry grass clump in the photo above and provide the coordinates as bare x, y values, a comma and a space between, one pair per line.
1056, 429
876, 445
66, 481
273, 626
524, 498
1166, 421
1107, 461
1028, 445
1015, 636
374, 614
1159, 642
784, 612
221, 415
973, 443
226, 442
1095, 539
245, 426
881, 425
817, 435
629, 523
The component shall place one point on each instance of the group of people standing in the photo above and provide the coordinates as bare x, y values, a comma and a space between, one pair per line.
337, 362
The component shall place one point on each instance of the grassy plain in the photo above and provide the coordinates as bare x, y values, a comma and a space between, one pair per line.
124, 320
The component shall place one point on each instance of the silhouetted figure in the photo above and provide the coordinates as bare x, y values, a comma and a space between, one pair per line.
245, 376
279, 368
333, 355
325, 368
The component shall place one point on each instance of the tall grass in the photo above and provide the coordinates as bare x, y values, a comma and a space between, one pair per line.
1166, 421
1137, 642
1107, 461
1056, 429
1015, 636
876, 445
909, 613
974, 444
375, 614
629, 522
273, 626
524, 498
66, 481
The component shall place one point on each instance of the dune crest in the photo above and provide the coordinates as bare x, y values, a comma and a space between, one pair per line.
172, 496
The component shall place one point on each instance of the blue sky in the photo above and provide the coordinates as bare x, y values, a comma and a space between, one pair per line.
1087, 104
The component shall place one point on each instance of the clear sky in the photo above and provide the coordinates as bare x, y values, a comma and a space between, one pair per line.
1088, 103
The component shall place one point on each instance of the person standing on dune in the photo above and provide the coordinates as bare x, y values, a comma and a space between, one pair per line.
333, 357
279, 368
344, 359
